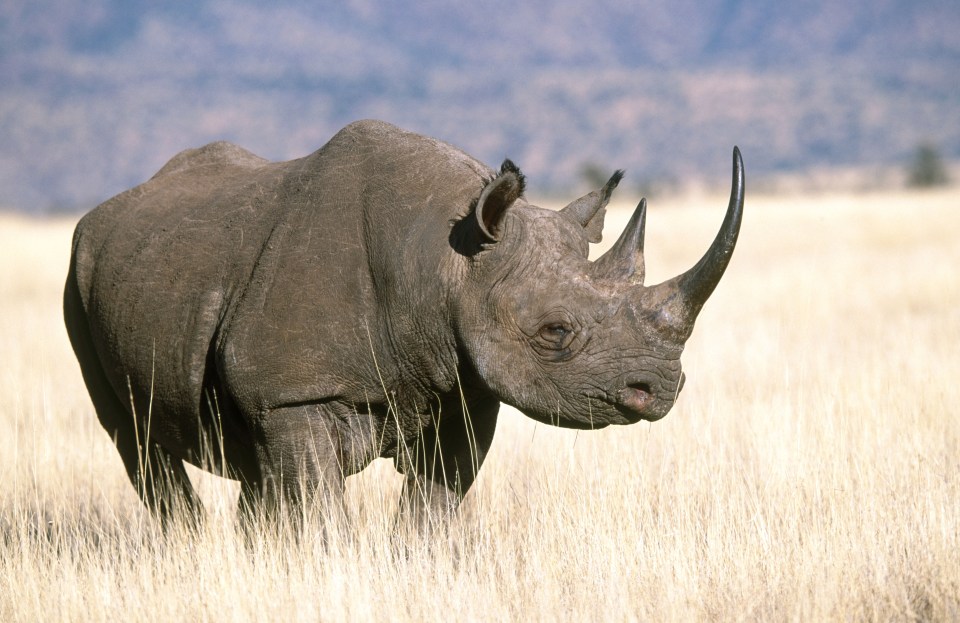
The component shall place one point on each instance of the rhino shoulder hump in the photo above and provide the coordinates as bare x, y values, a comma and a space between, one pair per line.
391, 141
220, 153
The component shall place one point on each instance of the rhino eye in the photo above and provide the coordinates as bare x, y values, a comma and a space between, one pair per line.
556, 335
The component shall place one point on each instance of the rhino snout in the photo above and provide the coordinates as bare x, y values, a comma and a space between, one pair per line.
638, 400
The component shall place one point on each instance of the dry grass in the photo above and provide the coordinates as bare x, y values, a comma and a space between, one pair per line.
810, 470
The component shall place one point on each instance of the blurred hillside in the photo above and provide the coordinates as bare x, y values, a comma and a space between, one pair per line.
95, 97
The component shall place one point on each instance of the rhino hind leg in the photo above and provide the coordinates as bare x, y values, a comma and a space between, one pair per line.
158, 477
441, 466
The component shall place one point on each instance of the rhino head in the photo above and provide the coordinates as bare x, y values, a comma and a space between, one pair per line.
569, 341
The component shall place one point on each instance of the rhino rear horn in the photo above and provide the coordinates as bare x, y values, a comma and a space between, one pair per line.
498, 195
590, 209
624, 260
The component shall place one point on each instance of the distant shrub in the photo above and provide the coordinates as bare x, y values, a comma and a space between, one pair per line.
927, 168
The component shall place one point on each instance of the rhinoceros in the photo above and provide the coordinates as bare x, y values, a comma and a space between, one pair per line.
286, 323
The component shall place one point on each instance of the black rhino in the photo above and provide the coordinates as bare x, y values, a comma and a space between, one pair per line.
287, 323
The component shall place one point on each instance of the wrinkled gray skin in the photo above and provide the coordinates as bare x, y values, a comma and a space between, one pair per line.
287, 323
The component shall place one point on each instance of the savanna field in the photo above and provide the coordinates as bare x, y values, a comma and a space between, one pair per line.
810, 470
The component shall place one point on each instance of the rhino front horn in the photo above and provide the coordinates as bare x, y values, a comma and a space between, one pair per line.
681, 298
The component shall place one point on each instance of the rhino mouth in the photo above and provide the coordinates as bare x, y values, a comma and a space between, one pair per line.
639, 401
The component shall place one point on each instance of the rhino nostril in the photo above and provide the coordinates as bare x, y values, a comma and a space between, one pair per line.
636, 397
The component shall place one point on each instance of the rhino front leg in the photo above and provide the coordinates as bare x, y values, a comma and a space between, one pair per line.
300, 451
442, 464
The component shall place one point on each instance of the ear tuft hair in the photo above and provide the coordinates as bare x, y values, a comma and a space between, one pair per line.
509, 167
612, 183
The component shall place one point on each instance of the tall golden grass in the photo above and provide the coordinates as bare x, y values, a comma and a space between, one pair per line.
809, 471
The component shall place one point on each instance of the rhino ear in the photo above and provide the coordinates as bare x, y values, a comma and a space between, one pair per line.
498, 195
590, 209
